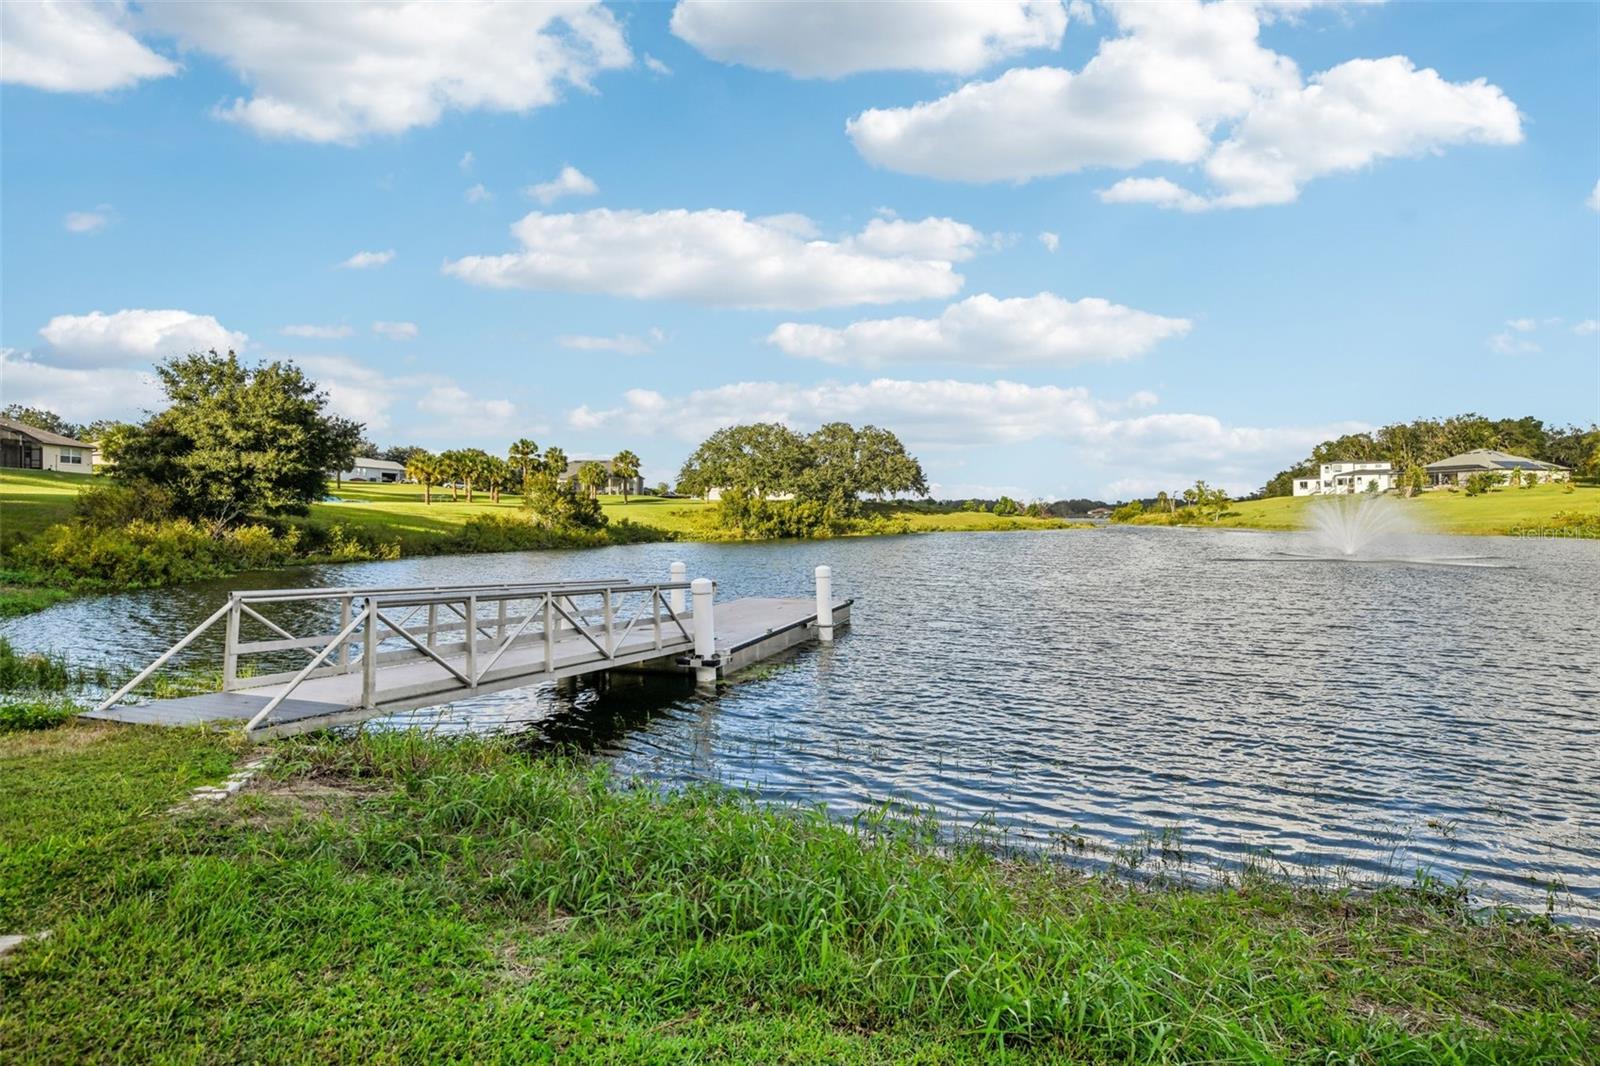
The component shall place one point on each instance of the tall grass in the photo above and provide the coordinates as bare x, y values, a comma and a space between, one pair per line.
395, 897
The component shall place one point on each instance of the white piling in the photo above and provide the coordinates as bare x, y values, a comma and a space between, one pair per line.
705, 630
680, 573
825, 604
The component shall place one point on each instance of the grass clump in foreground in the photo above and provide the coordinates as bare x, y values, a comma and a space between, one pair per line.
396, 898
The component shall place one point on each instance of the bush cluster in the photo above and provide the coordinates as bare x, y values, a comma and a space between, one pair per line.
745, 516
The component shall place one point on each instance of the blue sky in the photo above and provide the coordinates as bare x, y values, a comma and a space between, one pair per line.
1063, 250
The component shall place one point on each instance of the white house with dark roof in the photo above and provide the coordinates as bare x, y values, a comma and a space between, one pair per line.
1458, 468
1339, 478
363, 468
25, 447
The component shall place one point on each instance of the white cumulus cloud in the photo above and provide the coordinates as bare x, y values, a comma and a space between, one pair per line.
829, 40
570, 182
478, 194
1507, 342
622, 343
396, 331
85, 222
950, 414
368, 260
98, 339
1587, 327
929, 238
68, 46
1594, 198
983, 330
339, 72
715, 257
78, 393
1187, 83
1050, 240
317, 332
455, 406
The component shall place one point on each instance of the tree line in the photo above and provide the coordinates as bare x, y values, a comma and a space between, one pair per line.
469, 468
238, 440
1411, 446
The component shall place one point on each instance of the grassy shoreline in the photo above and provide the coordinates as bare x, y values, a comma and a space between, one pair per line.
393, 897
363, 520
1502, 512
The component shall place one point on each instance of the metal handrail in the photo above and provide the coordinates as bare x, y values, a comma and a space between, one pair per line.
552, 601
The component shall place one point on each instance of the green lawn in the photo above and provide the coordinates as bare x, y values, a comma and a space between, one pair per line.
1439, 511
391, 898
33, 499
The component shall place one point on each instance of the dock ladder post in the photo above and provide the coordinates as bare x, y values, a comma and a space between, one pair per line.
705, 632
825, 604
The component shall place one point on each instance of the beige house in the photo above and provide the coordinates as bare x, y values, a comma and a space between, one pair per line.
1458, 468
25, 447
615, 484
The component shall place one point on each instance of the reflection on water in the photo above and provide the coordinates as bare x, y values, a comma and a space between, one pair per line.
1369, 719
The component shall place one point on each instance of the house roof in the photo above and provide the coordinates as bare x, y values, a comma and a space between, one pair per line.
1489, 459
574, 465
376, 464
43, 436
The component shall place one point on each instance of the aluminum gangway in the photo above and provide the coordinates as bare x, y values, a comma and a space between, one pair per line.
370, 651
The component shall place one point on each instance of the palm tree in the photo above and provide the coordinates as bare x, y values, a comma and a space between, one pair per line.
496, 472
524, 455
423, 468
555, 463
474, 468
450, 470
591, 476
626, 467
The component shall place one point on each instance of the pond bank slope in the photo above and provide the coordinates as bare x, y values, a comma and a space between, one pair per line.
392, 897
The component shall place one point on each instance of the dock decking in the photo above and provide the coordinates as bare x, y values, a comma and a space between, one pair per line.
396, 649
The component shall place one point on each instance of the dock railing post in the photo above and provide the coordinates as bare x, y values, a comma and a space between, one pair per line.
825, 604
230, 647
705, 631
369, 655
472, 639
680, 574
344, 623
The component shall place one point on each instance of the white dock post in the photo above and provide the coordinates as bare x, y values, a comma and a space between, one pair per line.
230, 647
680, 574
825, 604
705, 630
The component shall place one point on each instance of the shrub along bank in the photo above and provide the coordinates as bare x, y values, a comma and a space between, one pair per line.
392, 897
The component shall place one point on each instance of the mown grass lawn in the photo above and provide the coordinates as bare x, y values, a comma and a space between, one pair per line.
394, 898
1437, 511
33, 499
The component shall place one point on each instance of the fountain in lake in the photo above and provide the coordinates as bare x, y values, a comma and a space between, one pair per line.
1357, 526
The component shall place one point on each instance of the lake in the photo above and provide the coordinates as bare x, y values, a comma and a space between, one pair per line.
1199, 696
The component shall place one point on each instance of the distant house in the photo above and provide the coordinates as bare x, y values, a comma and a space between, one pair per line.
1458, 468
1099, 512
1337, 478
614, 486
25, 447
365, 469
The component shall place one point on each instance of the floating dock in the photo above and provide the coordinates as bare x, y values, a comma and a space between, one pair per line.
395, 649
